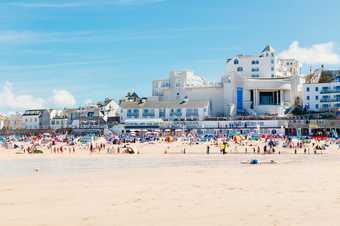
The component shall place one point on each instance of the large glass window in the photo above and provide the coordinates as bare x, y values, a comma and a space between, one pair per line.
236, 61
269, 98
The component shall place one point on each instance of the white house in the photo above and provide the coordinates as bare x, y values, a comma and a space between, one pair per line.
321, 91
58, 119
36, 119
92, 116
151, 108
15, 121
109, 108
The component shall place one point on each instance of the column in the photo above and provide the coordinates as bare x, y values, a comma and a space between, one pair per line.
281, 97
255, 97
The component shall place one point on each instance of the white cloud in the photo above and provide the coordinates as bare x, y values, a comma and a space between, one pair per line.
17, 37
11, 101
321, 53
63, 98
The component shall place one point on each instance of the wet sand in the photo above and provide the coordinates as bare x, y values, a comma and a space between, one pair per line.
173, 189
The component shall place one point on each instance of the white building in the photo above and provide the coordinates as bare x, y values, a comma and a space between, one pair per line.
186, 85
58, 119
93, 116
174, 110
261, 84
3, 120
321, 92
36, 119
109, 108
257, 84
15, 121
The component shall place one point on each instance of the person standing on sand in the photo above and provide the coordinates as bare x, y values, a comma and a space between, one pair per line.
208, 149
224, 148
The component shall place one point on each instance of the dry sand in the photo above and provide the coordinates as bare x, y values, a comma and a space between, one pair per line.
174, 189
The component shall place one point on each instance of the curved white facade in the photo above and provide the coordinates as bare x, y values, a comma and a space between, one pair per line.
256, 84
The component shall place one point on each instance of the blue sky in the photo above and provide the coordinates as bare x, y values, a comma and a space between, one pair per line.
55, 52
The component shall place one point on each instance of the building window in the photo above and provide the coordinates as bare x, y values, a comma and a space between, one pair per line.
325, 106
316, 106
255, 62
338, 78
255, 75
337, 98
326, 98
255, 69
307, 97
269, 98
239, 69
272, 61
316, 89
178, 82
148, 113
316, 97
325, 89
236, 61
272, 68
307, 89
162, 113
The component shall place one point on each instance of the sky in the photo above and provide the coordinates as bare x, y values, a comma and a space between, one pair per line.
63, 53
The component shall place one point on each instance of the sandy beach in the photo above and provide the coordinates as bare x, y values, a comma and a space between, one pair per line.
173, 189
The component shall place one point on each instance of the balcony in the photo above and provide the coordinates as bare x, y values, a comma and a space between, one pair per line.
330, 91
330, 100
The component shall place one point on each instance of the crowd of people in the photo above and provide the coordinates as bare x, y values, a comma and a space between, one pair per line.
261, 144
